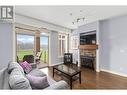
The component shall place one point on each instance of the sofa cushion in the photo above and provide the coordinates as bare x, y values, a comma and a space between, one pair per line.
50, 80
37, 82
18, 81
26, 67
14, 65
4, 79
58, 85
37, 72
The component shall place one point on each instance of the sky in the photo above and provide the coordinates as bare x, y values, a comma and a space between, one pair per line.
27, 38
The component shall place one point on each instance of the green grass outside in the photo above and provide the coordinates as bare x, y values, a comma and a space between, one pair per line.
21, 53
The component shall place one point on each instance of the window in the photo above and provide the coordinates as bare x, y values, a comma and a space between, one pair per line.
62, 44
25, 45
74, 42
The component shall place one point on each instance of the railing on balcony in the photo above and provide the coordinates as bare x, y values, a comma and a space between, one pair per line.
44, 56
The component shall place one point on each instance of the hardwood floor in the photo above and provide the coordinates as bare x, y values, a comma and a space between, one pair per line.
93, 80
41, 65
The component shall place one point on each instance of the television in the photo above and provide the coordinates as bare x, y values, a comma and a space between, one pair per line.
88, 38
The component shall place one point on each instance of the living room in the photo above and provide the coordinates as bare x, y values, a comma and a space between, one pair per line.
96, 44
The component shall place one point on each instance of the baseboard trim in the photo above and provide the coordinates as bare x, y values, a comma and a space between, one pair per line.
116, 73
56, 64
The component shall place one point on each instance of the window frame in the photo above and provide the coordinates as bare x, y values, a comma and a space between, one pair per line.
66, 43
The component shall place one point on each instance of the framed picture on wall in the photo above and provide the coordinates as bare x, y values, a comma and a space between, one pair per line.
74, 42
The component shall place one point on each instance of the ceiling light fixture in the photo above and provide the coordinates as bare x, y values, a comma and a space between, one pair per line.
78, 20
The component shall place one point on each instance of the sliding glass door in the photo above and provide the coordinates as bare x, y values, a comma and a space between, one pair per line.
25, 46
33, 47
44, 49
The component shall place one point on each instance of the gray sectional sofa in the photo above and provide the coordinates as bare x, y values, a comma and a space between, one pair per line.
13, 77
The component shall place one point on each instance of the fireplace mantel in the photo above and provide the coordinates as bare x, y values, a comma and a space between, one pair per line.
88, 47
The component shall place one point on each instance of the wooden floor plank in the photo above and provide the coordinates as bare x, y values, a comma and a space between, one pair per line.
95, 80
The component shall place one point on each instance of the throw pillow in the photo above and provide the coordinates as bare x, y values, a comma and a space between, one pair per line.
37, 82
26, 67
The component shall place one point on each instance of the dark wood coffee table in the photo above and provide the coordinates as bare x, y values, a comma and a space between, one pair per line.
69, 71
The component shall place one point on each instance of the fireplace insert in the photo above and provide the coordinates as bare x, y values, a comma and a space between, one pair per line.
87, 61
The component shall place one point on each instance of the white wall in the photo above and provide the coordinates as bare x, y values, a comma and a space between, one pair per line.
6, 43
114, 44
54, 49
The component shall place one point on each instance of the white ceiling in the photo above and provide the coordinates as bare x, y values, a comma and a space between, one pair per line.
60, 15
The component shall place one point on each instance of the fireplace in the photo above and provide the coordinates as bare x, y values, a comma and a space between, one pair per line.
88, 58
88, 50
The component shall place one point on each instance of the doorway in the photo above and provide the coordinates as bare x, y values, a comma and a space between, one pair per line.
33, 45
42, 48
44, 51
